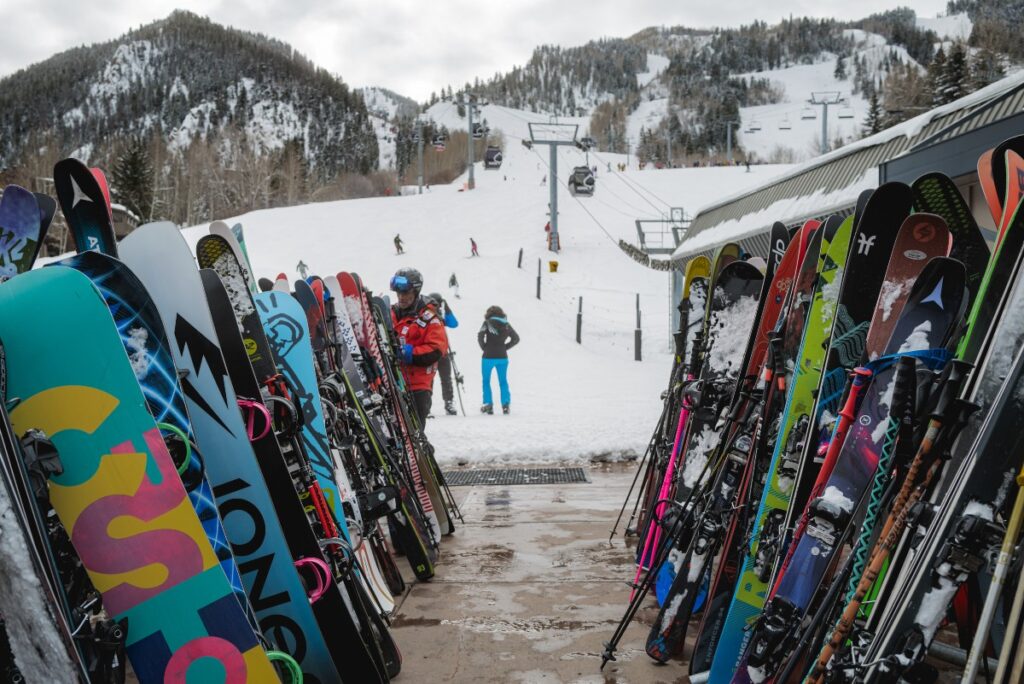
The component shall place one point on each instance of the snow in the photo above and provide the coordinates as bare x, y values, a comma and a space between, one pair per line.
697, 456
819, 202
570, 402
830, 296
917, 339
138, 355
36, 644
656, 64
834, 498
890, 293
955, 27
785, 210
647, 115
731, 331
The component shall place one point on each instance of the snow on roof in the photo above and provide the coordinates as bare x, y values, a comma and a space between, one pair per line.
784, 210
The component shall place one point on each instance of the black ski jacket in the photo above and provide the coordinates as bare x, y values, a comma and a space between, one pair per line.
496, 337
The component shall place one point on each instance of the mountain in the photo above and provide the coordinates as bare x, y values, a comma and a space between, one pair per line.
671, 91
186, 81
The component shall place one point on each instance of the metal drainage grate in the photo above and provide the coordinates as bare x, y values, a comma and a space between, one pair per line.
516, 476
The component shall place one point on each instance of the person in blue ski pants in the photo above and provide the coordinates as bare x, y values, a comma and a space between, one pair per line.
496, 337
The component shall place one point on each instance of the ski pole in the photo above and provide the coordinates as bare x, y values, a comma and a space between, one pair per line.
946, 409
654, 532
998, 582
1005, 661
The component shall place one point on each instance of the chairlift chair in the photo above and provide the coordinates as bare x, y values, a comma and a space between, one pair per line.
582, 181
439, 142
846, 112
492, 157
785, 125
755, 126
478, 131
807, 114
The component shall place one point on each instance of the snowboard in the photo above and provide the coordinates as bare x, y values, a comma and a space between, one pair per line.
339, 626
20, 228
119, 496
84, 204
162, 260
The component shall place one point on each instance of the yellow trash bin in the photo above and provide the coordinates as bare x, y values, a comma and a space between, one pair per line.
552, 267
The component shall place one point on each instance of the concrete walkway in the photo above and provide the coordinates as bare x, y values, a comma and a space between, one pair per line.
528, 590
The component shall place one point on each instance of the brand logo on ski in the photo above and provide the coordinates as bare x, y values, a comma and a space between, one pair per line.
924, 232
94, 242
865, 243
201, 349
78, 195
936, 295
915, 255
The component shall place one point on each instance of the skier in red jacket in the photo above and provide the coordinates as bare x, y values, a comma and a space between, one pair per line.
420, 333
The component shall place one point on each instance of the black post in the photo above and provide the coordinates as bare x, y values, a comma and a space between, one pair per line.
637, 333
579, 322
538, 278
520, 264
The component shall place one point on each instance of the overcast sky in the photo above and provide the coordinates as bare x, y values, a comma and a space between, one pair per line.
410, 46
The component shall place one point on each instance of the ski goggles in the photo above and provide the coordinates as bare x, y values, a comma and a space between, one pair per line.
400, 283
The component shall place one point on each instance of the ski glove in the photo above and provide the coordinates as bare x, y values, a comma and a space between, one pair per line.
407, 354
450, 321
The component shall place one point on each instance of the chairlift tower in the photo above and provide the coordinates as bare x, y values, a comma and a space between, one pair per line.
472, 103
661, 237
419, 156
832, 97
554, 135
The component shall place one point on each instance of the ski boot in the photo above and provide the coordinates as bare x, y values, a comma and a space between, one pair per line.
506, 408
449, 408
488, 409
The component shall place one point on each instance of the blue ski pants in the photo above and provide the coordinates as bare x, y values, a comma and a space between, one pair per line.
500, 365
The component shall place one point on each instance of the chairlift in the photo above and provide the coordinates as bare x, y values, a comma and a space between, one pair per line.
492, 157
588, 142
755, 126
478, 131
785, 124
846, 112
439, 142
415, 138
808, 114
582, 181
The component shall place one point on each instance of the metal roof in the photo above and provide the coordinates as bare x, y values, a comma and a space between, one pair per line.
845, 168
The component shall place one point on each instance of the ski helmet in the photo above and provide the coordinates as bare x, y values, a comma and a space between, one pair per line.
434, 298
406, 279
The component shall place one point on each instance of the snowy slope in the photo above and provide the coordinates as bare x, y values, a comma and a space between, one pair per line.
570, 402
791, 130
951, 27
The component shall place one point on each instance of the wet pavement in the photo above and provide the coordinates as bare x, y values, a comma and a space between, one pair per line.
529, 589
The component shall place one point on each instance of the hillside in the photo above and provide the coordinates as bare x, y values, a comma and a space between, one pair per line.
559, 389
204, 99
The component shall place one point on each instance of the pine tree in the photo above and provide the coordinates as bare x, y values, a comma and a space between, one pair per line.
937, 78
873, 123
986, 67
133, 178
957, 74
840, 72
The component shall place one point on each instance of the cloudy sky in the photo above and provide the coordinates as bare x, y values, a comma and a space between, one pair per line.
410, 46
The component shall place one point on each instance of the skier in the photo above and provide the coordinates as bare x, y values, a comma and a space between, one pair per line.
444, 366
453, 283
496, 337
421, 336
472, 248
398, 244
